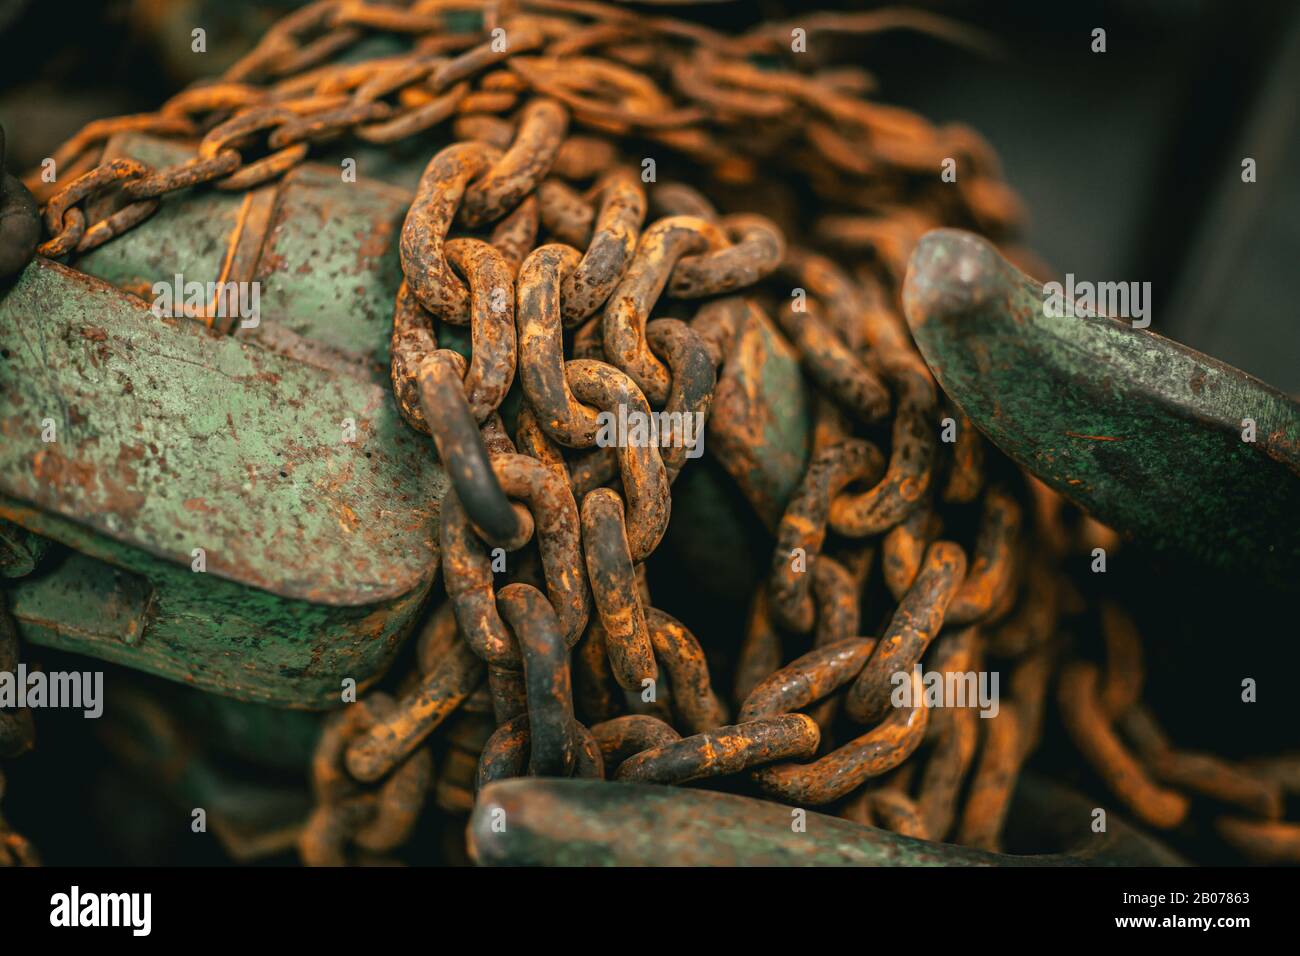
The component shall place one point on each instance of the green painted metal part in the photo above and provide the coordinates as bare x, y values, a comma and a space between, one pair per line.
171, 438
1140, 431
550, 822
759, 428
323, 252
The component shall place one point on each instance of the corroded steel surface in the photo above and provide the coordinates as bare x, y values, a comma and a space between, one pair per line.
1137, 429
577, 823
170, 439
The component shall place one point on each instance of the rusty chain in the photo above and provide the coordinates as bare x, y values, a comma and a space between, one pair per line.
534, 228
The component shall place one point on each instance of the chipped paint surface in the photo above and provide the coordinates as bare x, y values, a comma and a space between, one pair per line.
1138, 430
171, 438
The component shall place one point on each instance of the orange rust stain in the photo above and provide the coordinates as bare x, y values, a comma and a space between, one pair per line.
111, 487
199, 504
1094, 437
348, 519
240, 221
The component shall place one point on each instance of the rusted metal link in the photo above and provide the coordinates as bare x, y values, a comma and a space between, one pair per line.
755, 250
281, 49
810, 678
1262, 841
440, 379
541, 347
989, 796
623, 737
377, 820
613, 585
1125, 671
1200, 773
609, 249
802, 531
1029, 686
1089, 727
911, 457
373, 754
824, 281
555, 518
567, 216
723, 750
582, 157
915, 623
190, 172
966, 466
897, 813
467, 571
492, 323
682, 199
831, 364
327, 123
523, 36
760, 651
1283, 769
598, 697
718, 321
428, 221
415, 120
413, 339
506, 753
515, 234
542, 125
397, 806
237, 130
662, 246
535, 443
625, 99
553, 747
956, 729
837, 595
992, 575
690, 397
904, 548
1033, 621
696, 708
67, 225
645, 480
846, 768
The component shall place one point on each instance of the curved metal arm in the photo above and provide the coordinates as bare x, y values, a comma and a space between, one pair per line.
1154, 439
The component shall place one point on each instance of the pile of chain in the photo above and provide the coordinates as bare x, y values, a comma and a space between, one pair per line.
540, 229
1120, 737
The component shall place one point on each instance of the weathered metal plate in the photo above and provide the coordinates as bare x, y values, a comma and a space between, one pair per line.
557, 822
1140, 431
171, 438
329, 267
759, 426
323, 252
